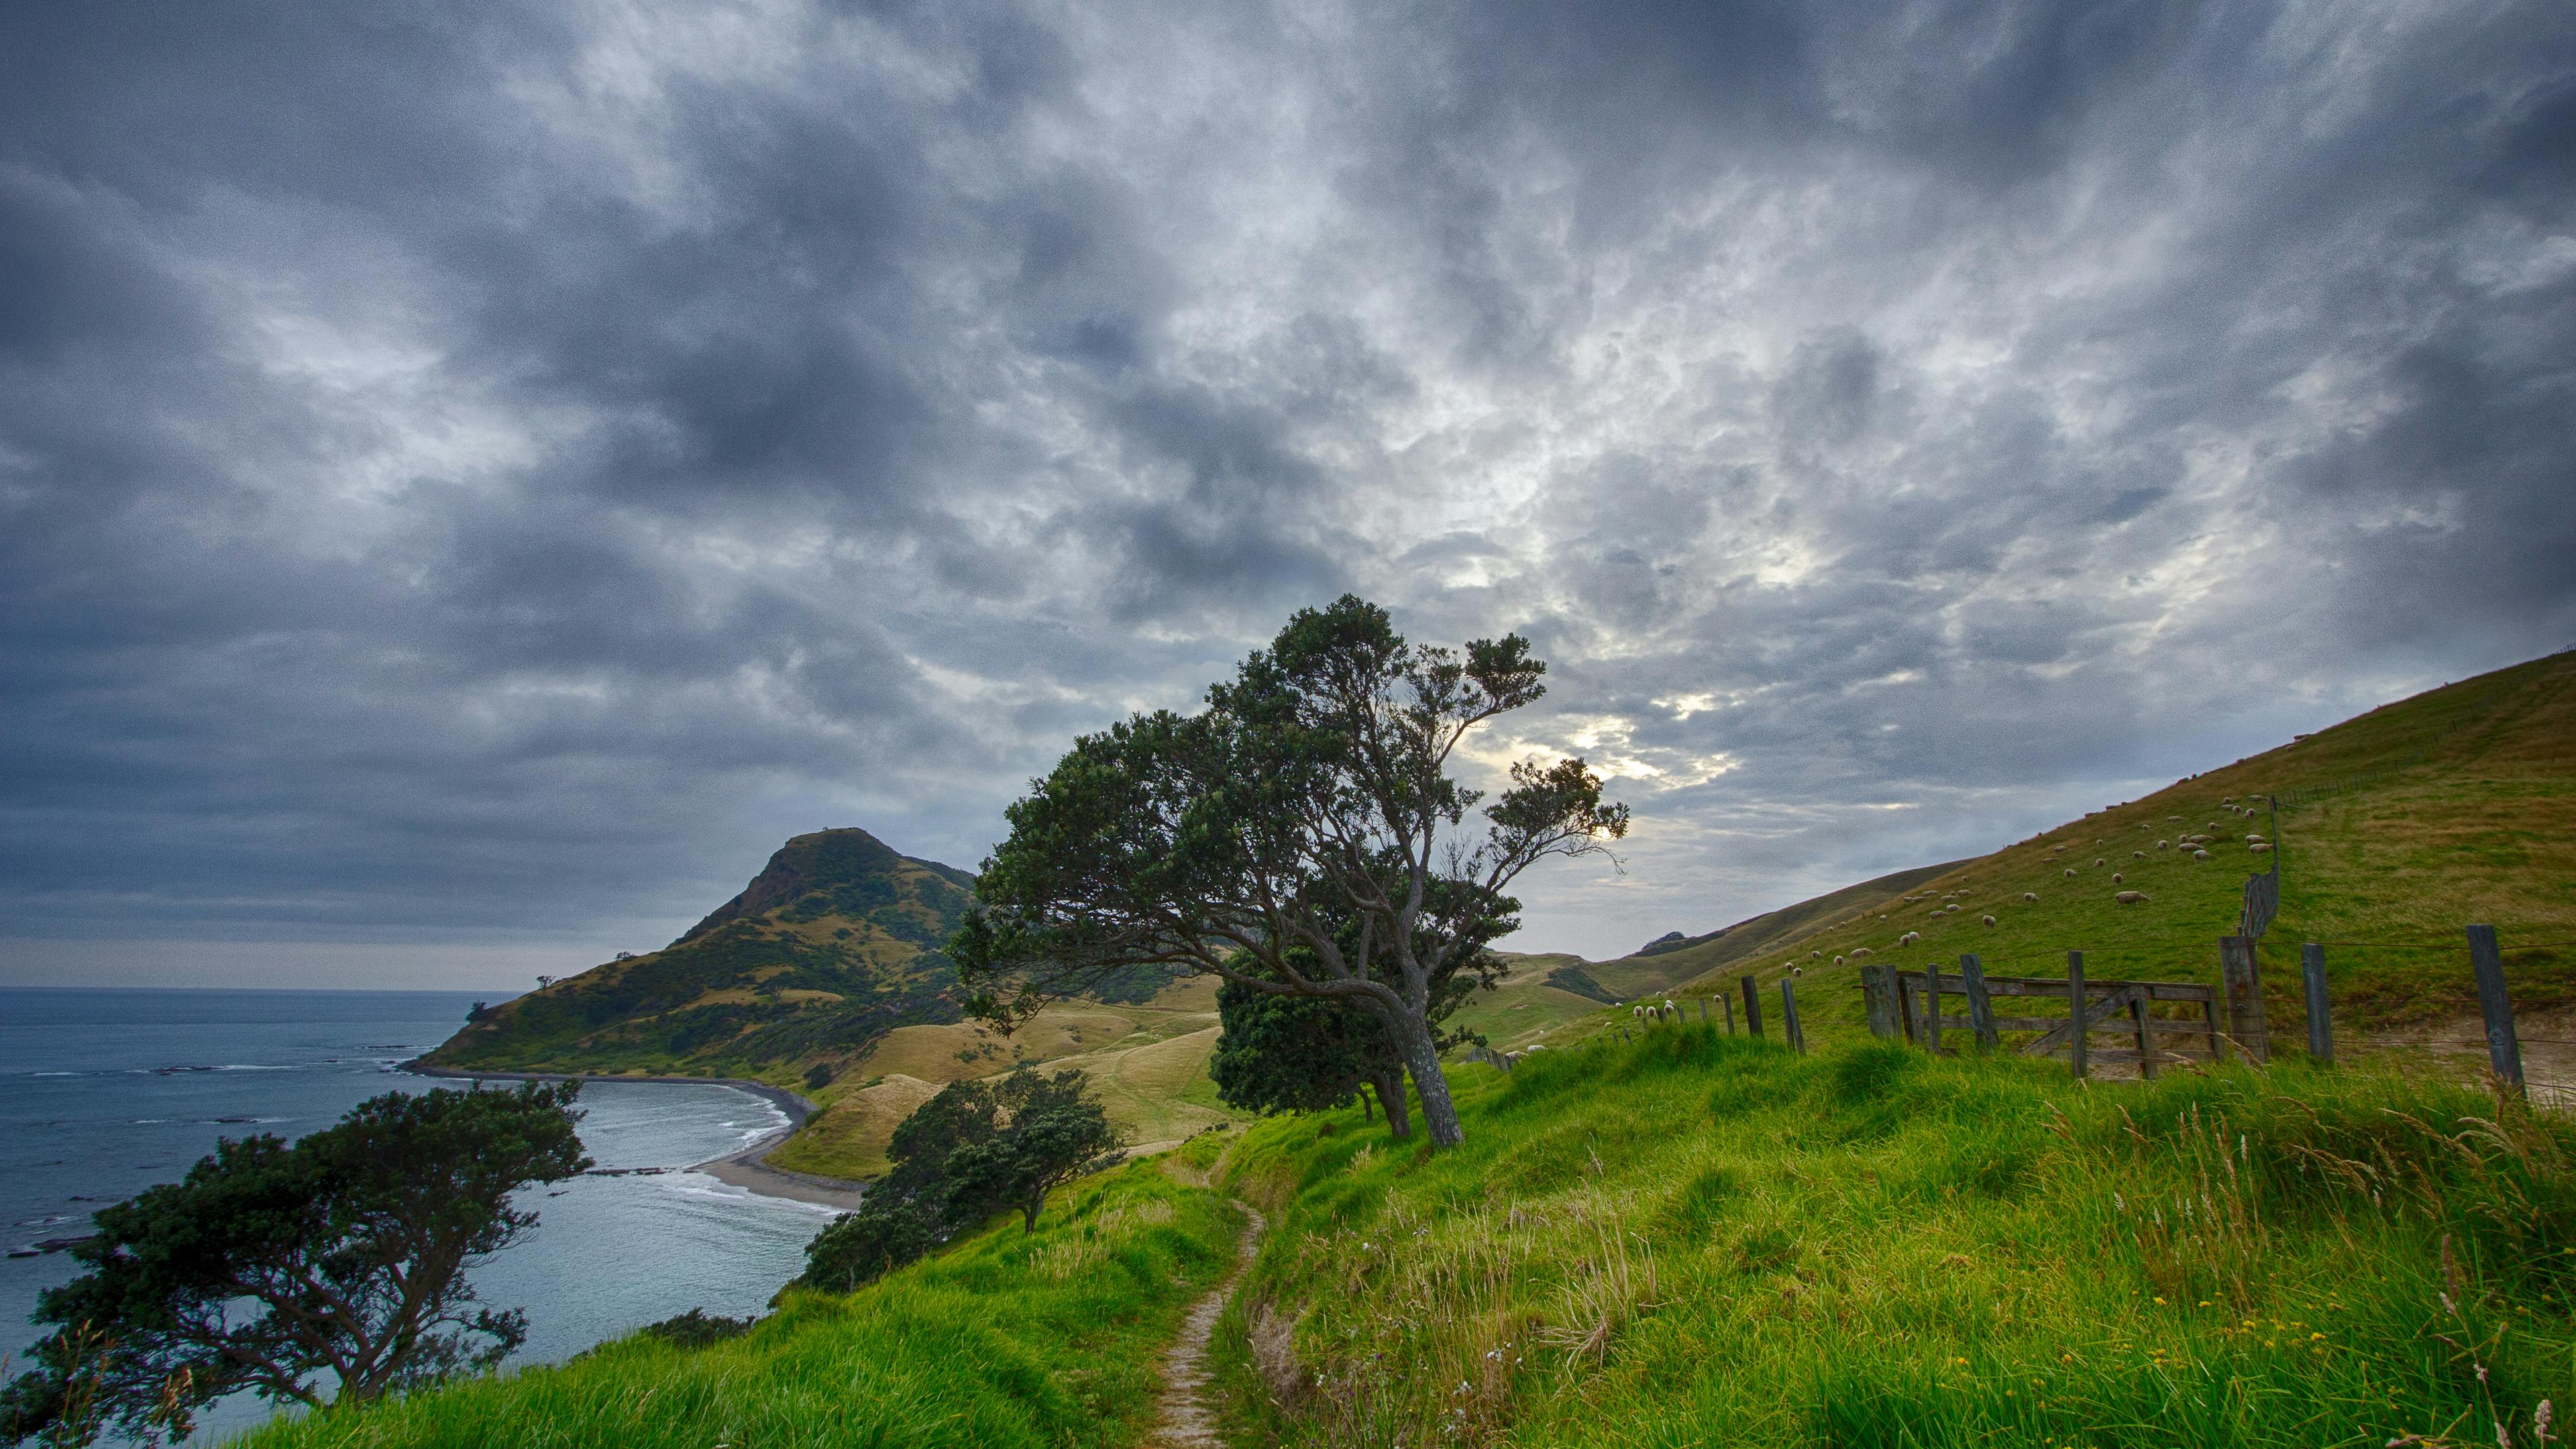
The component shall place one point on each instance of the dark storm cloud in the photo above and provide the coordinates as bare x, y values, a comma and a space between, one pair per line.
492, 475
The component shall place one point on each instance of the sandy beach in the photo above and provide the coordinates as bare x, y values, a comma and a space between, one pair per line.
744, 1169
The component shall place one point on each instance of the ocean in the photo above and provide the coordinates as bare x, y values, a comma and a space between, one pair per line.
104, 1093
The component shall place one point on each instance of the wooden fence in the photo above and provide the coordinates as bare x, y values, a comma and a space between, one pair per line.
1913, 1002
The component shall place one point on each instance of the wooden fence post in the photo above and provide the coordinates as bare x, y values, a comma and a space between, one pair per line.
1932, 1007
1726, 1008
1752, 1007
1981, 1008
2312, 966
1789, 1017
2244, 979
2146, 1039
2504, 1049
2081, 1039
1703, 1011
1878, 998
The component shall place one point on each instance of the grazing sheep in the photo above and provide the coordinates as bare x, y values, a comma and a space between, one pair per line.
2164, 845
2200, 855
2099, 862
1989, 920
2226, 799
1859, 951
2258, 848
2173, 820
1812, 955
2030, 895
1838, 960
1952, 907
2116, 877
2253, 840
2070, 872
2137, 855
1909, 938
2131, 898
1797, 970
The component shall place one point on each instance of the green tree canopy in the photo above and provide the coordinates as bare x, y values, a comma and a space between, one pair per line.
1056, 1131
271, 1264
1311, 794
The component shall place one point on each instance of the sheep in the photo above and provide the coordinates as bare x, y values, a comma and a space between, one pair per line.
2099, 862
2137, 855
2200, 855
2070, 872
2253, 840
2131, 898
2226, 799
1989, 920
2258, 848
1838, 960
1908, 939
1797, 970
2173, 820
1952, 907
2030, 895
2164, 845
1859, 951
2116, 877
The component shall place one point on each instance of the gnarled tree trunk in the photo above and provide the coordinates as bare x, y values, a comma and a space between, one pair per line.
1390, 1095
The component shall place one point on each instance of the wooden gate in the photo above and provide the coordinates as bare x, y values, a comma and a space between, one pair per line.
2125, 1008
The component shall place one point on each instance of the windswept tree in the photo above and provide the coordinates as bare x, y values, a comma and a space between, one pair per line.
1280, 1053
1311, 795
272, 1264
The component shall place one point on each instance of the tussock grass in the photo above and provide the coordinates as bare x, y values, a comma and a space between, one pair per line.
1006, 1340
1704, 1239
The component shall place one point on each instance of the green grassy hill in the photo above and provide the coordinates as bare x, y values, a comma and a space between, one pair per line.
2397, 828
1006, 1340
830, 958
1703, 1239
834, 943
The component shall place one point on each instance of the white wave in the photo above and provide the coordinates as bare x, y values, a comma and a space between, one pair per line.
713, 1189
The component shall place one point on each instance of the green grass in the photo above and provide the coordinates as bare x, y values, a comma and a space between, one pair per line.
1703, 1239
1005, 1340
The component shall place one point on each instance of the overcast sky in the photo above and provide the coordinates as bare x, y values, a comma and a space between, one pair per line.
474, 479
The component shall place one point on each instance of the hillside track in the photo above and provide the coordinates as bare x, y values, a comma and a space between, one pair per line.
1184, 1419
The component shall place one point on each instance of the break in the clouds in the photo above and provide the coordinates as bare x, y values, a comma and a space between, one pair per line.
483, 475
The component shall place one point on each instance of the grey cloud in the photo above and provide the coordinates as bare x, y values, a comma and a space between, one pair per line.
501, 471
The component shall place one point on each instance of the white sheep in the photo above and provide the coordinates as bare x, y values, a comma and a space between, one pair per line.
2099, 862
2164, 845
2116, 877
2258, 849
2070, 872
2030, 895
1989, 920
1838, 960
1908, 939
2200, 855
2131, 898
1952, 907
1859, 951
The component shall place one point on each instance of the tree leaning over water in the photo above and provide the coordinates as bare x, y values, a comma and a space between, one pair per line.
272, 1263
1311, 794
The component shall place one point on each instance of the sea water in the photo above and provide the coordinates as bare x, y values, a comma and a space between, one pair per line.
104, 1093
